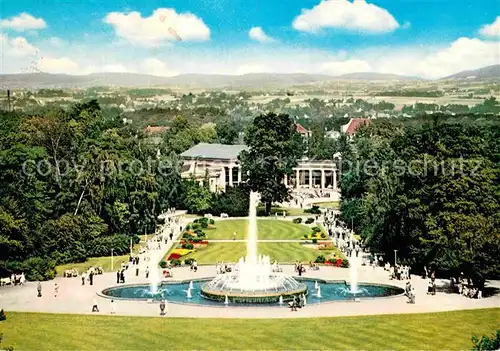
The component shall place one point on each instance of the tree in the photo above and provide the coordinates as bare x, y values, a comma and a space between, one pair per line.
227, 132
274, 148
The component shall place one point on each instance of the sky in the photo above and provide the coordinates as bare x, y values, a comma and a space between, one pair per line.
423, 38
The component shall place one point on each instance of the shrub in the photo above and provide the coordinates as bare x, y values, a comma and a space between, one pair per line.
196, 220
345, 263
163, 264
313, 210
297, 220
188, 227
306, 236
188, 261
323, 235
204, 225
187, 246
38, 268
175, 262
195, 226
320, 259
196, 240
316, 230
203, 220
211, 221
486, 343
309, 221
315, 241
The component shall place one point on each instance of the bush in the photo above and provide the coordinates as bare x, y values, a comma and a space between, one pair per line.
234, 202
102, 246
196, 240
309, 221
176, 263
163, 264
204, 225
320, 259
188, 261
316, 230
195, 226
315, 241
313, 210
187, 246
297, 220
188, 227
486, 343
323, 235
345, 263
35, 268
211, 221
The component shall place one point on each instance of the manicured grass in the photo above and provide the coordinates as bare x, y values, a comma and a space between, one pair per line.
267, 229
104, 262
281, 252
429, 331
276, 209
332, 204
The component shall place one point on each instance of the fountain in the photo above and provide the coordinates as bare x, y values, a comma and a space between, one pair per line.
226, 301
353, 273
154, 277
281, 300
188, 294
316, 285
191, 284
304, 299
253, 280
318, 292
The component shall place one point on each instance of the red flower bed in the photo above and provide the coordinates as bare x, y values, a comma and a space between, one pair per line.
174, 256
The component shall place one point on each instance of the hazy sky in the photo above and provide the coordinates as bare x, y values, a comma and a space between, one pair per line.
429, 38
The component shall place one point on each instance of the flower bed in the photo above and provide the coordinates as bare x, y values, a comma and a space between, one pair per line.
178, 253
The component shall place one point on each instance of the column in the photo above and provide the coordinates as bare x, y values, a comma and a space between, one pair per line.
239, 174
322, 179
335, 179
297, 178
310, 178
231, 176
222, 181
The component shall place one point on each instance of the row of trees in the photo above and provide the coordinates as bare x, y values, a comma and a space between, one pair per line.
75, 184
430, 191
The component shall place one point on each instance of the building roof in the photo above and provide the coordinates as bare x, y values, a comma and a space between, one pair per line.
214, 151
351, 127
301, 129
156, 129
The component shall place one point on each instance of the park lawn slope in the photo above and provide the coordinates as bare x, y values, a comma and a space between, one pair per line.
231, 252
267, 229
429, 331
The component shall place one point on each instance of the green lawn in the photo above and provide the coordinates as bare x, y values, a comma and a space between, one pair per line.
332, 204
281, 252
104, 262
276, 209
436, 331
267, 229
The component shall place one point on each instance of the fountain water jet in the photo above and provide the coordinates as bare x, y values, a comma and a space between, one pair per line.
318, 292
353, 273
253, 279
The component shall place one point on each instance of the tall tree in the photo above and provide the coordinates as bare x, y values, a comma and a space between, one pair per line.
274, 148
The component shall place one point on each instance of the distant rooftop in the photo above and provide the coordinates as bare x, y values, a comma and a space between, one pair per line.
214, 151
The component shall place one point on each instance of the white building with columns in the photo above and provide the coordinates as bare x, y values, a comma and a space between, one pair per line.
220, 163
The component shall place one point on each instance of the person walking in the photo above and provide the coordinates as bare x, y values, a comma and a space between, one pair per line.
118, 277
234, 236
113, 310
94, 306
39, 289
147, 272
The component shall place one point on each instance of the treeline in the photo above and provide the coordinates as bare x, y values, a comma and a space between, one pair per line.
75, 184
411, 93
429, 189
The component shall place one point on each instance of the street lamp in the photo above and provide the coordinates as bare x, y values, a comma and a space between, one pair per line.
395, 257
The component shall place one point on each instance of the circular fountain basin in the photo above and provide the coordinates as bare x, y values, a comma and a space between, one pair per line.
176, 292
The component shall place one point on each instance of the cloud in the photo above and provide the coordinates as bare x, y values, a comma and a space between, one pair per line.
154, 30
258, 34
23, 22
59, 65
16, 47
491, 30
354, 16
157, 68
347, 66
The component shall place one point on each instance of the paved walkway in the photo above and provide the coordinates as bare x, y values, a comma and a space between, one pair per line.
75, 298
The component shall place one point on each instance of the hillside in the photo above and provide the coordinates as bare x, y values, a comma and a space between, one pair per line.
480, 73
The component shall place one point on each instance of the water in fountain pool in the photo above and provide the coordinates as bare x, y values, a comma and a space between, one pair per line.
176, 292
